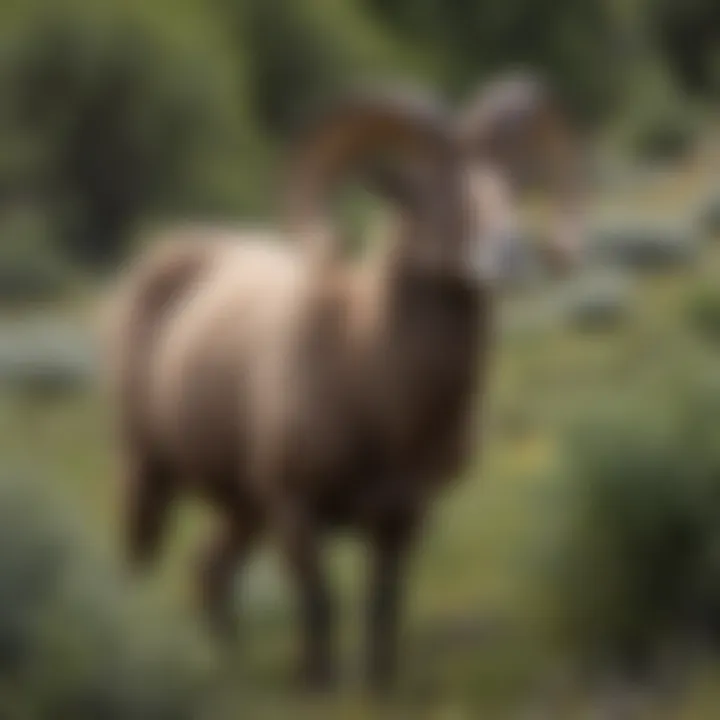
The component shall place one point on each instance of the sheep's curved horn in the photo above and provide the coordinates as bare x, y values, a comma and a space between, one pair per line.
517, 124
358, 127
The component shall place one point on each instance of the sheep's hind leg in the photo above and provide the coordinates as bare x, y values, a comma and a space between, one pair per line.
150, 491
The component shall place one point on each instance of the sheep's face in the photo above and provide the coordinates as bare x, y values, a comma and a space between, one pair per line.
497, 249
495, 238
518, 137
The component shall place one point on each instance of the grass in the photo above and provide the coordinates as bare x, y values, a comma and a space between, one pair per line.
477, 644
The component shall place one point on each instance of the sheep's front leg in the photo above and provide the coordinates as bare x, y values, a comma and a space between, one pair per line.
390, 546
221, 559
300, 536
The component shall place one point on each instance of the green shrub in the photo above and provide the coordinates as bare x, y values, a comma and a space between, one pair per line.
301, 54
703, 311
636, 565
68, 645
130, 108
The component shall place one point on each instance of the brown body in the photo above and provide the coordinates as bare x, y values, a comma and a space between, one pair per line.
298, 393
327, 387
324, 417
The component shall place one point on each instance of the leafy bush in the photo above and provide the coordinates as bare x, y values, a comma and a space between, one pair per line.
125, 105
682, 31
703, 311
645, 246
637, 567
68, 645
301, 54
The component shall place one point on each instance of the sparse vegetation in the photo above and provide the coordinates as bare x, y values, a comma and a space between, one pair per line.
600, 467
70, 647
637, 567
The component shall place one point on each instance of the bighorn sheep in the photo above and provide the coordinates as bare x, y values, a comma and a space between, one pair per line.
298, 393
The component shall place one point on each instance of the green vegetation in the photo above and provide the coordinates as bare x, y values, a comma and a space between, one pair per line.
637, 567
703, 308
599, 302
587, 531
710, 216
45, 360
646, 245
120, 112
68, 648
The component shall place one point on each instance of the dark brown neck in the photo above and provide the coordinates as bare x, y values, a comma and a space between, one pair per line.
440, 325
